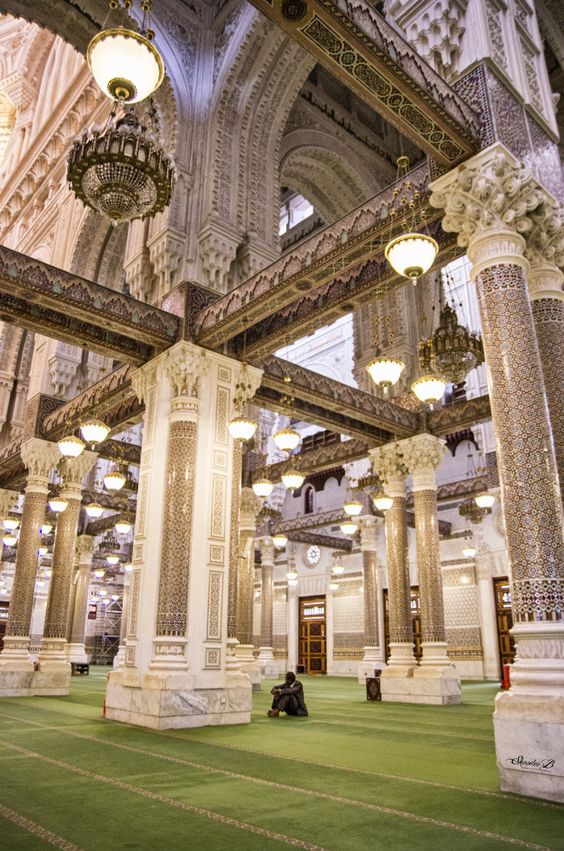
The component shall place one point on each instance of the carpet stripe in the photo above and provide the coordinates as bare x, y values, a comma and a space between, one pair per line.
37, 829
181, 805
300, 790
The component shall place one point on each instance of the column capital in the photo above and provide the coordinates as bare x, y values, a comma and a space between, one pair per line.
39, 457
388, 463
422, 455
7, 499
368, 532
545, 280
84, 549
545, 239
266, 550
185, 365
249, 507
488, 201
73, 470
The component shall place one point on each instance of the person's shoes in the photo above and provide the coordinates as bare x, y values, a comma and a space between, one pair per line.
273, 713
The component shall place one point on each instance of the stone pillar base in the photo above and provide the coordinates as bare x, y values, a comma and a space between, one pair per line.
52, 679
267, 662
14, 683
395, 683
435, 685
77, 654
15, 654
163, 702
435, 654
529, 744
371, 661
249, 665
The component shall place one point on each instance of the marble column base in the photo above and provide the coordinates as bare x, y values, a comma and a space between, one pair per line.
435, 654
15, 654
371, 661
529, 744
395, 683
435, 685
267, 662
77, 654
119, 658
401, 653
249, 665
173, 701
52, 678
14, 683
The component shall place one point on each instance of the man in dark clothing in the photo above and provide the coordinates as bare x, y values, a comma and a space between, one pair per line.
288, 698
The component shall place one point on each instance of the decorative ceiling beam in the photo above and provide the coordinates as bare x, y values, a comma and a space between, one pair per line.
330, 541
315, 460
311, 388
460, 415
59, 304
359, 47
352, 240
333, 300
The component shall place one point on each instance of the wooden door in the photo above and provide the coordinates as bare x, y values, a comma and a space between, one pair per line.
313, 636
504, 619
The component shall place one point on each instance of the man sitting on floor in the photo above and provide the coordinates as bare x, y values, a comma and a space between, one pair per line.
288, 698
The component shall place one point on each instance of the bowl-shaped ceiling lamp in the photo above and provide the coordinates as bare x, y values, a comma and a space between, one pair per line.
279, 541
114, 480
10, 523
94, 431
293, 479
411, 254
71, 446
484, 500
263, 488
58, 504
122, 527
385, 372
242, 428
94, 510
382, 501
286, 439
429, 388
348, 527
353, 507
125, 64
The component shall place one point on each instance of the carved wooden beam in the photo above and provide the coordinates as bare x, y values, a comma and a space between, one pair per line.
330, 541
352, 240
333, 300
58, 304
315, 460
359, 47
333, 396
309, 521
460, 415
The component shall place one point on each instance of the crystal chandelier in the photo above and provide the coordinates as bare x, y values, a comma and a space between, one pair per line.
293, 479
71, 446
125, 64
452, 351
279, 540
263, 488
412, 253
121, 172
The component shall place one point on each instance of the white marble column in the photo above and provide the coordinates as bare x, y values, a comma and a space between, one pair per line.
435, 680
53, 669
119, 658
491, 201
177, 673
16, 665
268, 665
373, 656
84, 550
249, 507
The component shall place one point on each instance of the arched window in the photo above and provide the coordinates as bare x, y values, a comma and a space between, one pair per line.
308, 499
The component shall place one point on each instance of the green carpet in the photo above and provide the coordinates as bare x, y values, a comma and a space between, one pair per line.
353, 775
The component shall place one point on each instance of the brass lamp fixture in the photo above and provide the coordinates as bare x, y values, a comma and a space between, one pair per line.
293, 479
262, 488
287, 439
121, 172
71, 446
353, 507
429, 388
385, 371
94, 432
126, 64
241, 427
412, 253
279, 540
114, 480
381, 501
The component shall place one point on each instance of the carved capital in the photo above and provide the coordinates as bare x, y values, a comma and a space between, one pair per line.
185, 366
492, 191
266, 551
7, 500
84, 549
248, 382
545, 240
388, 463
39, 458
73, 470
422, 455
545, 280
249, 507
143, 379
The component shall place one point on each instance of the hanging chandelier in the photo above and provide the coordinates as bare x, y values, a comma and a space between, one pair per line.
114, 480
112, 559
287, 439
241, 427
292, 574
429, 389
452, 351
122, 527
348, 527
99, 573
9, 540
263, 488
333, 586
58, 504
45, 528
293, 479
94, 510
484, 499
353, 507
469, 551
121, 172
94, 432
125, 64
10, 523
470, 511
412, 253
385, 371
381, 501
71, 446
337, 569
42, 551
279, 540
